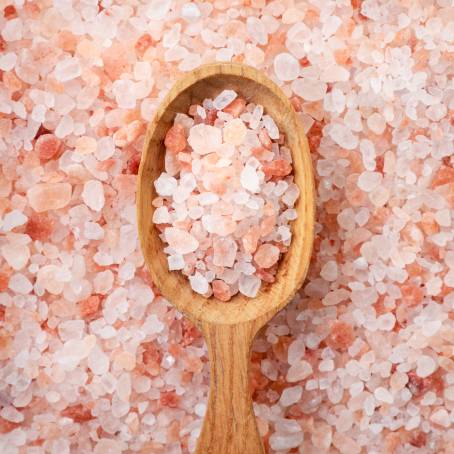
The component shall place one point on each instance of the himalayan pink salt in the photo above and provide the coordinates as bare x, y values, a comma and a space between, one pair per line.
175, 140
48, 147
267, 255
49, 196
216, 198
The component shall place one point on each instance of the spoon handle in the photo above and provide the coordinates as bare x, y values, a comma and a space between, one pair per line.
229, 426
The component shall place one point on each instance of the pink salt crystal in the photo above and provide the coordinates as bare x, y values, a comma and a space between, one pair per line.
224, 251
234, 132
251, 238
175, 140
49, 196
236, 107
204, 138
265, 138
221, 290
179, 240
48, 147
277, 168
266, 256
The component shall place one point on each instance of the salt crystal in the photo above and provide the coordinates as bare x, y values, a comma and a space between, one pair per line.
234, 132
13, 219
12, 30
286, 67
16, 255
49, 196
161, 215
291, 396
383, 395
425, 366
250, 179
204, 138
266, 256
343, 136
376, 123
299, 371
329, 271
249, 285
441, 417
20, 284
224, 251
199, 283
93, 195
368, 181
179, 240
11, 414
224, 98
256, 30
67, 69
165, 185
309, 90
190, 12
157, 9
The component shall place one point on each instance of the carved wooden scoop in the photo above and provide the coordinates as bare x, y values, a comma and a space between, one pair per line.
228, 328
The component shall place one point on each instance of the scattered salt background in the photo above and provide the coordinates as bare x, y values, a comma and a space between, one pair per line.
93, 360
224, 197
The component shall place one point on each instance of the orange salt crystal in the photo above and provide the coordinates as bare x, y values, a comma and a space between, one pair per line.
250, 239
236, 107
169, 399
143, 43
89, 307
443, 175
277, 168
267, 225
428, 224
48, 147
175, 140
341, 336
265, 138
412, 294
266, 256
221, 290
78, 413
39, 227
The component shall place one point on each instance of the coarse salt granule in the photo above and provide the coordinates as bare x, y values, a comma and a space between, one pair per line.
222, 215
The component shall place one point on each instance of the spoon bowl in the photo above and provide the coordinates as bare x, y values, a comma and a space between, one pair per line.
228, 328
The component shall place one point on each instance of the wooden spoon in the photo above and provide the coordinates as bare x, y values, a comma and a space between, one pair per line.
229, 328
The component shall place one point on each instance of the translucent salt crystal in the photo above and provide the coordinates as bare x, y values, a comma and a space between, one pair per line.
190, 12
430, 328
224, 251
383, 395
11, 414
386, 322
71, 329
13, 219
267, 255
16, 255
158, 9
343, 136
93, 231
441, 417
224, 98
271, 127
295, 351
334, 73
376, 123
368, 181
67, 69
65, 127
326, 365
161, 216
290, 197
180, 241
165, 185
234, 132
256, 30
249, 285
49, 196
329, 271
171, 37
176, 262
299, 371
309, 90
425, 366
199, 283
12, 30
103, 282
93, 195
208, 198
256, 116
250, 179
291, 396
195, 212
286, 67
204, 138
285, 440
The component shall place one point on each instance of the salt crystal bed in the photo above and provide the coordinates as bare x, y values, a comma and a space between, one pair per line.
93, 360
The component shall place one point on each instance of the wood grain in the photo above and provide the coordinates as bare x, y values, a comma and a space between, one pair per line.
229, 328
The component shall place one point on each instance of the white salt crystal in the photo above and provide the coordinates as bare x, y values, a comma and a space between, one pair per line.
271, 127
291, 396
165, 185
309, 90
368, 181
124, 386
13, 219
17, 255
249, 285
343, 136
157, 9
190, 12
224, 98
425, 366
376, 123
256, 30
443, 218
93, 231
98, 361
103, 282
11, 414
200, 410
199, 283
441, 417
283, 442
176, 262
12, 30
204, 138
161, 215
299, 371
329, 271
326, 365
67, 69
93, 195
430, 328
8, 61
256, 116
181, 241
386, 322
207, 198
153, 325
383, 395
20, 284
286, 67
249, 179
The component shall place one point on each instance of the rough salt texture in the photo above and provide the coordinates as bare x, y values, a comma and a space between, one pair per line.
92, 360
224, 196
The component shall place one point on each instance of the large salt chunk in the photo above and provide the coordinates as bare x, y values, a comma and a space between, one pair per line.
165, 185
49, 196
67, 69
291, 396
425, 366
299, 371
13, 219
249, 179
286, 67
309, 90
93, 195
234, 132
223, 99
249, 285
180, 241
161, 216
343, 136
204, 138
368, 181
267, 255
224, 251
199, 283
20, 284
256, 30
16, 255
157, 9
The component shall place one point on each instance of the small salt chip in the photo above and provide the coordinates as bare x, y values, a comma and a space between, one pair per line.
224, 98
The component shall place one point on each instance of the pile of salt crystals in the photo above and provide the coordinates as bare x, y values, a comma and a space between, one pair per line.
226, 197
